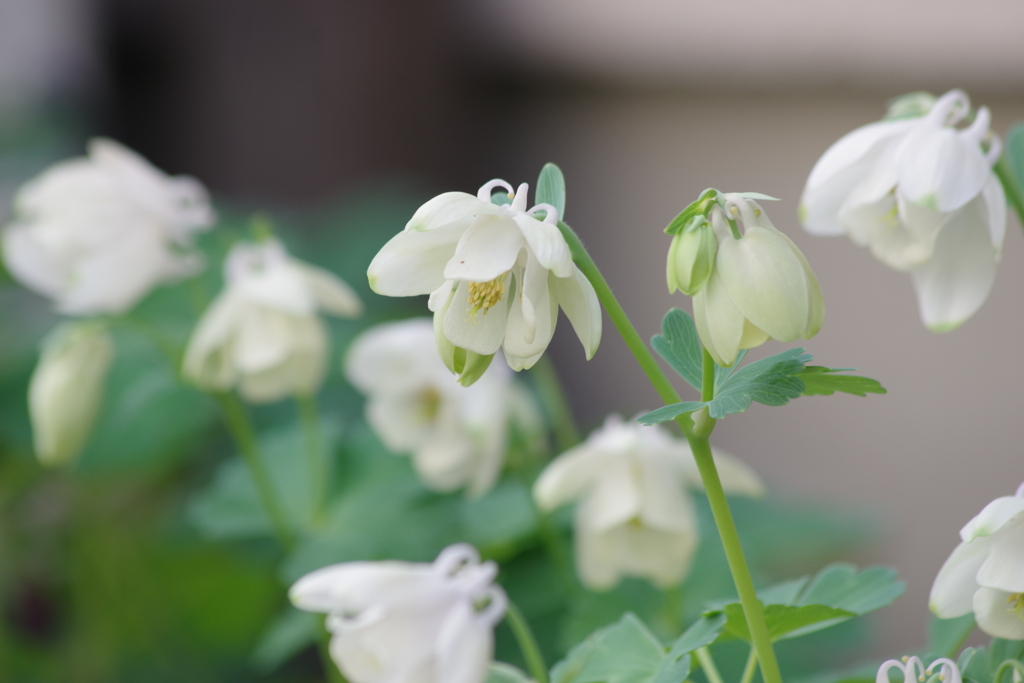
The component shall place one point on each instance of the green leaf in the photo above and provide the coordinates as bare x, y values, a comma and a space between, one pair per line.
820, 381
785, 621
947, 636
286, 636
675, 667
551, 188
500, 672
625, 652
771, 381
669, 412
1014, 152
680, 346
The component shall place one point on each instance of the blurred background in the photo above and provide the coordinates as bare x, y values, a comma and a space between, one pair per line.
295, 106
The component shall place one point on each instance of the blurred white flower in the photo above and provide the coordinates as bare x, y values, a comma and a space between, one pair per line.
761, 287
921, 195
96, 234
66, 390
985, 573
913, 670
262, 333
496, 275
635, 517
403, 622
457, 435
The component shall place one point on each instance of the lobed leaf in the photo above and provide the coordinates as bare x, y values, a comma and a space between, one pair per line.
625, 652
821, 381
679, 344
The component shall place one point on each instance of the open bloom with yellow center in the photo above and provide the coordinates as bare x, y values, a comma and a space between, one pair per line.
262, 333
635, 517
921, 195
761, 286
985, 573
457, 435
404, 622
496, 276
96, 234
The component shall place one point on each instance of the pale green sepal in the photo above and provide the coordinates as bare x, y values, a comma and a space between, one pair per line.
692, 257
700, 207
757, 195
474, 366
911, 105
445, 348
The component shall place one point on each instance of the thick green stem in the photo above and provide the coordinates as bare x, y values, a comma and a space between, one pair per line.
752, 608
245, 438
1011, 186
316, 455
750, 668
555, 404
527, 643
708, 664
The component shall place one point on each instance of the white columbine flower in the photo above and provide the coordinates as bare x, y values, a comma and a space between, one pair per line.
761, 287
635, 517
921, 195
457, 435
66, 389
402, 622
96, 234
985, 573
496, 276
262, 333
913, 670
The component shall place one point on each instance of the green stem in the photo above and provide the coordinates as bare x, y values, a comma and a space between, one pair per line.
1006, 665
316, 456
1010, 186
752, 608
708, 664
556, 406
674, 610
750, 668
245, 437
527, 643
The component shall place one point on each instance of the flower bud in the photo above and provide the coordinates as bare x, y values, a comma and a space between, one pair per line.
66, 389
691, 257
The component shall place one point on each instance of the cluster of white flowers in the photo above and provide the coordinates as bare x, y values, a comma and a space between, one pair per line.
921, 195
635, 517
747, 288
496, 276
457, 435
405, 622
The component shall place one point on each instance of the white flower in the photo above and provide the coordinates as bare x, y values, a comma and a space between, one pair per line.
262, 333
66, 389
985, 573
921, 195
635, 517
761, 287
97, 234
457, 435
400, 622
495, 274
913, 670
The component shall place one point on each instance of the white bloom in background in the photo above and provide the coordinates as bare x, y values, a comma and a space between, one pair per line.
921, 195
761, 287
985, 573
66, 390
96, 234
457, 435
635, 517
913, 670
402, 622
496, 275
262, 333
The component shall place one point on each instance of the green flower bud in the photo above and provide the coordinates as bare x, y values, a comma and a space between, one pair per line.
691, 257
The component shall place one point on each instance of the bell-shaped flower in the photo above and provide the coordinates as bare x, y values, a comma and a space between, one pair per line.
914, 671
66, 389
921, 195
262, 334
985, 573
403, 622
635, 516
457, 435
761, 287
496, 276
96, 234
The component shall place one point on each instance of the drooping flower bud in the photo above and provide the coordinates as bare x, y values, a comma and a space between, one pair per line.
691, 257
66, 390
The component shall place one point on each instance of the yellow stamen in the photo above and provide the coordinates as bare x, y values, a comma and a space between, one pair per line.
483, 296
429, 404
1016, 602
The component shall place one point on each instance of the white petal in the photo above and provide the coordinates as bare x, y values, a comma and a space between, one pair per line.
475, 331
207, 362
464, 646
489, 248
353, 586
394, 358
300, 372
547, 244
412, 262
995, 206
32, 264
954, 284
445, 462
955, 584
845, 164
399, 421
598, 556
736, 476
1004, 568
531, 320
941, 168
719, 322
616, 497
332, 294
992, 517
568, 477
995, 616
448, 208
578, 299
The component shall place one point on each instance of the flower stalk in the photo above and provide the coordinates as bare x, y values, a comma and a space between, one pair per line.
527, 643
316, 456
752, 608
